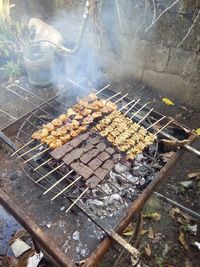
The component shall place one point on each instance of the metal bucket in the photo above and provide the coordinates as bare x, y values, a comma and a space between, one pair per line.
39, 60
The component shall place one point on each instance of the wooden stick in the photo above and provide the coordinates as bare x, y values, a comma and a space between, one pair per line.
132, 107
47, 174
138, 111
126, 105
77, 200
163, 127
145, 116
103, 89
37, 155
113, 96
120, 98
155, 122
33, 148
49, 189
28, 143
62, 191
45, 162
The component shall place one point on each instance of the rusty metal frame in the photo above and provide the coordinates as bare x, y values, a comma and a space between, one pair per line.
44, 241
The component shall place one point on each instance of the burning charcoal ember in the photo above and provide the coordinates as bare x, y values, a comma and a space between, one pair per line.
81, 169
110, 150
94, 140
93, 182
73, 155
101, 146
84, 136
89, 155
101, 173
75, 142
87, 147
59, 152
95, 163
103, 156
108, 165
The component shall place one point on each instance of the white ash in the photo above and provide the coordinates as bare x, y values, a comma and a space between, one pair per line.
76, 236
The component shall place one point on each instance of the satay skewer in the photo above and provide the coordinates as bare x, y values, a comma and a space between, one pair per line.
163, 127
45, 162
19, 149
83, 193
32, 140
59, 181
47, 174
155, 123
145, 116
64, 189
131, 106
120, 99
33, 148
138, 110
38, 154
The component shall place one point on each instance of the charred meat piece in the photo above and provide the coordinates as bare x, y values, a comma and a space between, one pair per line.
89, 155
93, 182
103, 156
73, 155
84, 136
87, 147
75, 142
94, 140
95, 163
101, 173
110, 150
101, 146
59, 152
81, 169
108, 165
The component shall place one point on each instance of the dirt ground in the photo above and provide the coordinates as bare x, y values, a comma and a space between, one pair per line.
168, 235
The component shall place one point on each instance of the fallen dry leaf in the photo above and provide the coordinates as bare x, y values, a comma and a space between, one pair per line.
166, 156
129, 231
147, 250
183, 241
151, 234
197, 131
154, 215
173, 212
18, 235
144, 232
193, 175
167, 101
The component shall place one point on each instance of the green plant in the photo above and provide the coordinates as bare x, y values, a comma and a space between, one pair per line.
11, 69
160, 261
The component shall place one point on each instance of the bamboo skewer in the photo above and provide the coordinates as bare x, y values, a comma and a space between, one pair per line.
138, 110
62, 191
155, 122
19, 149
145, 116
85, 191
40, 153
131, 107
45, 162
47, 174
120, 99
101, 90
59, 181
164, 127
108, 99
33, 148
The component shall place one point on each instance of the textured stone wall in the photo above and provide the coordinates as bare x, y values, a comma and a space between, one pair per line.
113, 52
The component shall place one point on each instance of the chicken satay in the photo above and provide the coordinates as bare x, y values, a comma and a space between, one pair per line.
63, 117
57, 122
66, 138
49, 139
55, 144
49, 126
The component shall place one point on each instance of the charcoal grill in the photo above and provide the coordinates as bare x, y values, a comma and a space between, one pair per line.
55, 232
